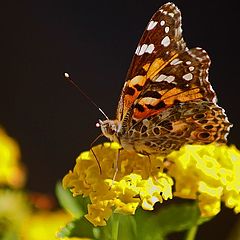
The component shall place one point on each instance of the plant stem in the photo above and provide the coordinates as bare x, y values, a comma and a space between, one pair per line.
115, 226
192, 233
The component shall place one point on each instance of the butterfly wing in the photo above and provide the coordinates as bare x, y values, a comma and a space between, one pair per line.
161, 42
183, 79
168, 84
198, 122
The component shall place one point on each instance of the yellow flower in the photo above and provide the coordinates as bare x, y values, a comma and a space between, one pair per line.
11, 171
208, 173
18, 220
14, 210
140, 181
44, 225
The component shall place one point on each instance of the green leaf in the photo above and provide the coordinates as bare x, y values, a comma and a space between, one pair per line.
169, 219
144, 225
147, 226
127, 227
119, 227
79, 228
177, 217
77, 206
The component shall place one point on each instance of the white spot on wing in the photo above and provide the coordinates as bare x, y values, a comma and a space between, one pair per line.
169, 79
188, 62
150, 48
165, 78
166, 41
188, 76
166, 29
152, 24
175, 61
215, 97
144, 49
162, 23
171, 14
160, 78
191, 68
137, 50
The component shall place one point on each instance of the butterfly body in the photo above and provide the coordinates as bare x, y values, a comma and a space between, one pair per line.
167, 100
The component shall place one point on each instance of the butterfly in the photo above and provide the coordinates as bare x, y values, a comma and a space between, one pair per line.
167, 100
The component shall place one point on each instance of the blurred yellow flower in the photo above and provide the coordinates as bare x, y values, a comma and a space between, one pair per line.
11, 171
44, 225
140, 181
75, 238
14, 209
208, 173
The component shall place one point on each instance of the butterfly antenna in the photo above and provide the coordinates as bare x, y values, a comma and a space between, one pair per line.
66, 75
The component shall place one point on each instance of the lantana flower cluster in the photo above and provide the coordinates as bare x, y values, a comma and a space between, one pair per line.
210, 174
140, 181
18, 219
12, 172
206, 173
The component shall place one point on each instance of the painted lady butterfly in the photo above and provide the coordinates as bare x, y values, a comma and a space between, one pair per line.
167, 100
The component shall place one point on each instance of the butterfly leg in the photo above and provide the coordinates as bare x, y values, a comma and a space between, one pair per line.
98, 163
115, 165
149, 165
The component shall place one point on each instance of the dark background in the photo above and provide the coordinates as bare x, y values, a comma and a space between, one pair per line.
94, 41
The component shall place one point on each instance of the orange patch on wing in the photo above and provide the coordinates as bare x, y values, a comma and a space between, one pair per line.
146, 66
168, 98
157, 65
144, 102
129, 99
137, 115
180, 95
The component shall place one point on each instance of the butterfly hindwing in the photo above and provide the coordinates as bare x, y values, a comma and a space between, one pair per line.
198, 122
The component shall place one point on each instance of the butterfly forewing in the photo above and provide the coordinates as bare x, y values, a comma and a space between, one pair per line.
161, 41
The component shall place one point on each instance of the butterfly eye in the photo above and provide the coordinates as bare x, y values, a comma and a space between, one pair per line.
111, 129
111, 132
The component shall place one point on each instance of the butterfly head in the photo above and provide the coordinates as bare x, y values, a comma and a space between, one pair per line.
110, 128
